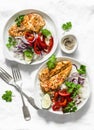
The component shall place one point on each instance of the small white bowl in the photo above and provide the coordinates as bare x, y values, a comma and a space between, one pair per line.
67, 41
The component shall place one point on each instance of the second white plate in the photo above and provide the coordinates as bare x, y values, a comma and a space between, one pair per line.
38, 92
49, 24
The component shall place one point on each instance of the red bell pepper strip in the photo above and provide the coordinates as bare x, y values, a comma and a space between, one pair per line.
27, 34
64, 93
59, 104
30, 37
56, 106
50, 44
36, 47
55, 97
69, 99
42, 42
64, 103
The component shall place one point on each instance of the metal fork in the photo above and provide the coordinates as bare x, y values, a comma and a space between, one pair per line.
9, 80
18, 80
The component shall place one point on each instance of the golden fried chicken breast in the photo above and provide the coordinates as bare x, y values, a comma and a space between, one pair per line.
45, 73
58, 76
32, 22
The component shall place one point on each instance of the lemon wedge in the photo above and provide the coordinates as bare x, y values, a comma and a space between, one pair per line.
46, 101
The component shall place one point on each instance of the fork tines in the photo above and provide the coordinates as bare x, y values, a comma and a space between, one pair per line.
16, 73
4, 75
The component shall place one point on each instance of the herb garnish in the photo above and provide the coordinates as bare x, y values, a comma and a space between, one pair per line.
18, 20
51, 62
73, 88
67, 26
7, 96
11, 42
82, 69
71, 107
46, 32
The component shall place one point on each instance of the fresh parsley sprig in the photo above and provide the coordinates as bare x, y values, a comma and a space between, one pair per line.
18, 20
82, 69
11, 42
46, 32
71, 107
7, 96
51, 62
73, 88
67, 26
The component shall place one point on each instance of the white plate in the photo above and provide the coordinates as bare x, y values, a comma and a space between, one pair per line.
49, 24
38, 92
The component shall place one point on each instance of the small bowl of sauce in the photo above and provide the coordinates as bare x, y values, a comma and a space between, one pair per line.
69, 44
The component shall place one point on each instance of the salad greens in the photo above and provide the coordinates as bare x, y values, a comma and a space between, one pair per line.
51, 62
73, 88
82, 69
18, 20
46, 32
71, 107
7, 96
11, 42
28, 54
67, 26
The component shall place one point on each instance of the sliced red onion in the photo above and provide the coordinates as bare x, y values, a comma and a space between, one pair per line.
81, 80
75, 81
76, 78
75, 74
20, 47
75, 66
25, 40
22, 39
